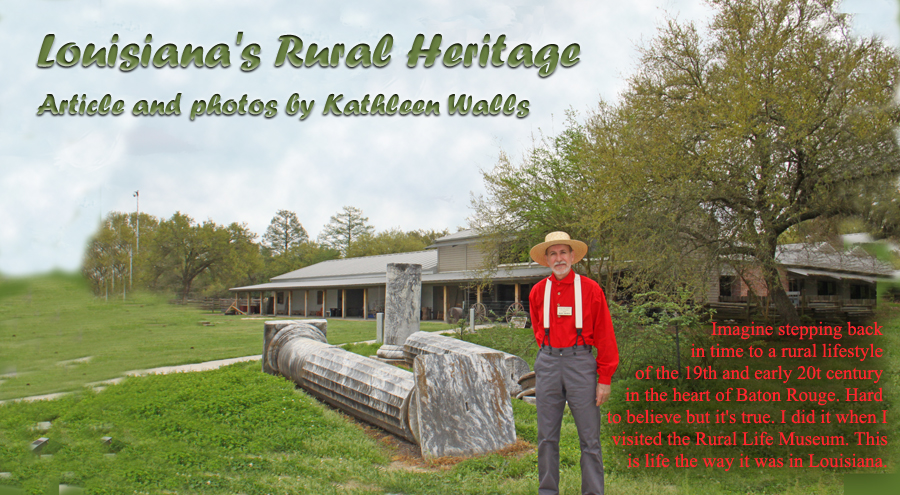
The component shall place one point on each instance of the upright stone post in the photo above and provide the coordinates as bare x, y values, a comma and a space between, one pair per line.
402, 307
379, 328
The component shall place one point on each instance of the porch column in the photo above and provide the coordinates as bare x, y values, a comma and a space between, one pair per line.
262, 310
248, 303
343, 303
446, 316
517, 291
290, 302
366, 303
306, 302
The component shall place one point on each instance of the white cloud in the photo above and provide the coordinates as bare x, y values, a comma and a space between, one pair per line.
90, 151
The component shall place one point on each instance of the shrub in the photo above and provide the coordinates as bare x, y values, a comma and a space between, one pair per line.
658, 329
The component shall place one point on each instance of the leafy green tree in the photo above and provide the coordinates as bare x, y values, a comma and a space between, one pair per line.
299, 256
111, 259
184, 250
773, 117
524, 202
107, 257
581, 182
393, 241
344, 228
428, 236
284, 232
242, 264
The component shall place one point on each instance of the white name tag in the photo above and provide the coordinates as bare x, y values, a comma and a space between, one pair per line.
564, 311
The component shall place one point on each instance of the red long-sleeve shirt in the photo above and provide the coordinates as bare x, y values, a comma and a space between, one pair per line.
598, 328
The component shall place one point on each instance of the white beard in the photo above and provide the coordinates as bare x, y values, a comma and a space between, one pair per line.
561, 269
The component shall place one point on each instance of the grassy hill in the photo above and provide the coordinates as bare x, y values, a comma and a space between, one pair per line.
55, 335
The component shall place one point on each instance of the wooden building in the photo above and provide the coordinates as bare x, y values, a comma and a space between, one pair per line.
355, 287
822, 282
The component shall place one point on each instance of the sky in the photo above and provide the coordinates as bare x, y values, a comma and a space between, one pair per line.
60, 175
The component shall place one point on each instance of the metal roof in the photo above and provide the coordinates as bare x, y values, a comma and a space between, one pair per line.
467, 235
366, 265
346, 272
822, 255
503, 274
834, 275
323, 277
316, 284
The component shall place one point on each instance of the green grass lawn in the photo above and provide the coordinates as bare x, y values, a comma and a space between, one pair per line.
237, 430
56, 336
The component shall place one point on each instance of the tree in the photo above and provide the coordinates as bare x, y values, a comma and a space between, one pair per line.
345, 227
107, 256
242, 263
393, 241
111, 257
299, 256
582, 182
184, 250
775, 117
284, 232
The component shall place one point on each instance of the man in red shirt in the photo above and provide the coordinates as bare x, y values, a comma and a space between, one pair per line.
570, 318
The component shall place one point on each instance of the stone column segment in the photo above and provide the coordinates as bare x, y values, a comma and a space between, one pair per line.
319, 332
402, 307
432, 343
461, 406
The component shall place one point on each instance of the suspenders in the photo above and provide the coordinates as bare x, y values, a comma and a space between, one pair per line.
579, 311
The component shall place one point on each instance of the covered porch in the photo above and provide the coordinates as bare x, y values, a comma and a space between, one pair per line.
365, 302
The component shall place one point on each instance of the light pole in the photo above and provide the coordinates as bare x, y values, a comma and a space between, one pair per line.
137, 195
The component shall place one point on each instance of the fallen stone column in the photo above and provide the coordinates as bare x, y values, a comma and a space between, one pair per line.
449, 405
432, 343
375, 392
313, 329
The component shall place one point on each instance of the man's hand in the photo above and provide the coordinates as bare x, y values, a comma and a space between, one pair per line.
602, 393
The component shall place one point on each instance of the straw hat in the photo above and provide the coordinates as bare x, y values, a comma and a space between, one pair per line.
539, 252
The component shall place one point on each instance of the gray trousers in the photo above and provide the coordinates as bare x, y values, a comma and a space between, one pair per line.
567, 375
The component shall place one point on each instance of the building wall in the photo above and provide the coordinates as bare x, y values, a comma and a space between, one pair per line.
474, 257
712, 290
297, 301
331, 300
460, 258
451, 258
376, 299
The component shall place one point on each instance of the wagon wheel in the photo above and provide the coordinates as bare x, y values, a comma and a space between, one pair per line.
480, 312
515, 309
